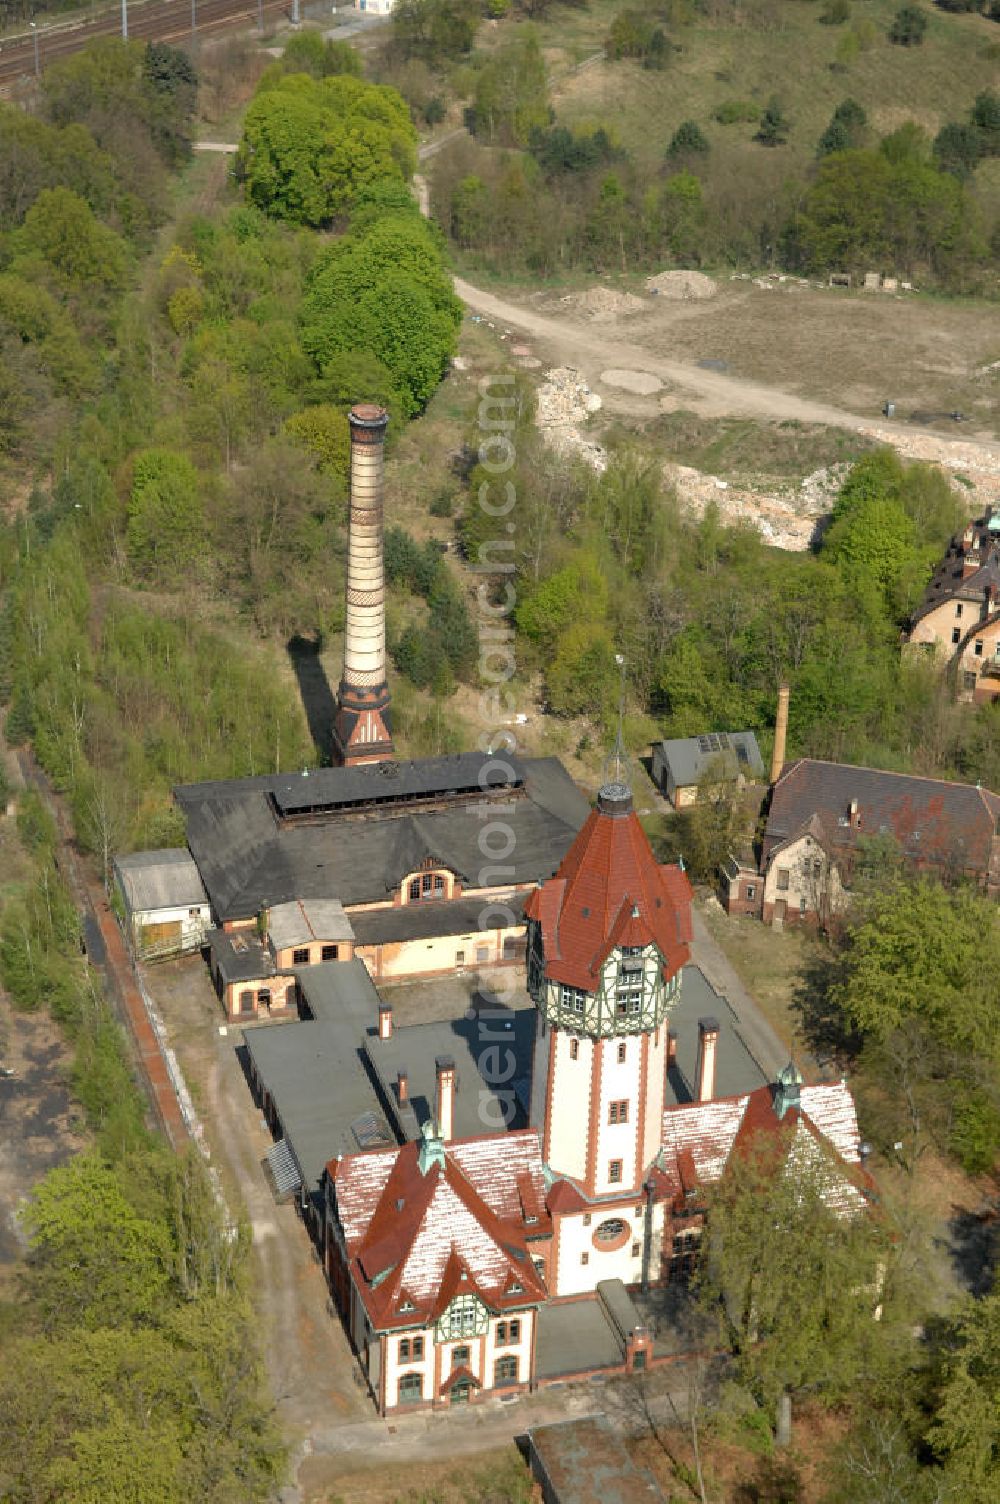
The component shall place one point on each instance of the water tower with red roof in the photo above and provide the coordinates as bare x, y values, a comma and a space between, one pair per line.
607, 938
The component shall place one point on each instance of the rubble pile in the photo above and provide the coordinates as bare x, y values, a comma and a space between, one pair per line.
785, 518
564, 401
680, 284
604, 303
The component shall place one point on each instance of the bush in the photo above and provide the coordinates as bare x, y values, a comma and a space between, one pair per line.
835, 13
846, 129
443, 504
311, 146
985, 117
908, 27
633, 35
957, 149
773, 125
561, 150
165, 534
385, 292
688, 140
308, 52
323, 431
737, 112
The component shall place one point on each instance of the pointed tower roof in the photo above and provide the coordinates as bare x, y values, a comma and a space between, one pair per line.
610, 891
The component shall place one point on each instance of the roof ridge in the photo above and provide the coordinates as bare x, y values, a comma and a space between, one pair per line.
858, 767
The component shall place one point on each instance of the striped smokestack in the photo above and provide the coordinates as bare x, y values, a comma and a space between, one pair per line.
361, 728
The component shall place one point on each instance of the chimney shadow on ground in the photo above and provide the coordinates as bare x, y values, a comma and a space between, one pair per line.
314, 688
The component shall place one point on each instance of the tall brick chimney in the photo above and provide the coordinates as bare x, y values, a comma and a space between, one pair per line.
361, 726
780, 734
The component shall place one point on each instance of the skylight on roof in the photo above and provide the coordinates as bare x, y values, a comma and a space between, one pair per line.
370, 1132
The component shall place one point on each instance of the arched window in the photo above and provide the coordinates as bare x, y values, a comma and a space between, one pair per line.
505, 1371
411, 1388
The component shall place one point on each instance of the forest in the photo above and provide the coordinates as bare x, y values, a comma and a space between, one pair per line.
175, 372
608, 179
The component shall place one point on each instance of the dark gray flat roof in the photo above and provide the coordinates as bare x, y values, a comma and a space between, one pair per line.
239, 955
507, 1034
575, 1337
381, 782
314, 1069
417, 921
249, 858
736, 1069
338, 990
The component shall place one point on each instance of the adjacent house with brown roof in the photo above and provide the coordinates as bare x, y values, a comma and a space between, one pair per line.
821, 813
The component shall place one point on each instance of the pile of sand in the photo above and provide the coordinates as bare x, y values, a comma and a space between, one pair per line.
682, 285
601, 303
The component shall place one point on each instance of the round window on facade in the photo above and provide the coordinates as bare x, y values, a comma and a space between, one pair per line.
612, 1234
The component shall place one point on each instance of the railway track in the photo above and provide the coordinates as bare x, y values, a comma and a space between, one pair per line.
156, 21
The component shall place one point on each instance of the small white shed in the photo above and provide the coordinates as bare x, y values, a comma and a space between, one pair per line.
163, 900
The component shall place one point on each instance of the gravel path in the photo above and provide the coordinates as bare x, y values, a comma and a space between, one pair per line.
592, 350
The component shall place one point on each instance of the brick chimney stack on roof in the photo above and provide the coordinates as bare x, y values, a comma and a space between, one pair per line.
708, 1039
445, 1099
361, 728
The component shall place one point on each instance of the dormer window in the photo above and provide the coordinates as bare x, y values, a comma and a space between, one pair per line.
630, 963
405, 1307
428, 885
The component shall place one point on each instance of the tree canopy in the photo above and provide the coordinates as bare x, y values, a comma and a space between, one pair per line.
311, 146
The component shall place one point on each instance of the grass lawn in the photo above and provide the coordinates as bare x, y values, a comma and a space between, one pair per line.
742, 448
498, 1475
752, 51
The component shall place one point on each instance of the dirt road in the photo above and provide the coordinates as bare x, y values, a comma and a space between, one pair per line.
593, 348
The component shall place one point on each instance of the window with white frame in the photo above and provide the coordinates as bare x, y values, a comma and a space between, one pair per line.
573, 999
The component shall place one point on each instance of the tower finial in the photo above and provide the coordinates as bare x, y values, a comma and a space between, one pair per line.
619, 739
616, 768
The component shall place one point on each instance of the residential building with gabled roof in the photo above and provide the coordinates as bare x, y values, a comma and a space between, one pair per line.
682, 765
958, 619
820, 813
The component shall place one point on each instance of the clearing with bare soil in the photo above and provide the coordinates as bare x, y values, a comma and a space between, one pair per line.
40, 1125
815, 355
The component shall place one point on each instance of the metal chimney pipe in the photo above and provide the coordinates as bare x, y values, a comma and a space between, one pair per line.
361, 728
780, 734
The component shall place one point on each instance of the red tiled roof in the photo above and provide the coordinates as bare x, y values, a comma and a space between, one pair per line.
700, 1138
609, 891
457, 1374
425, 1237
